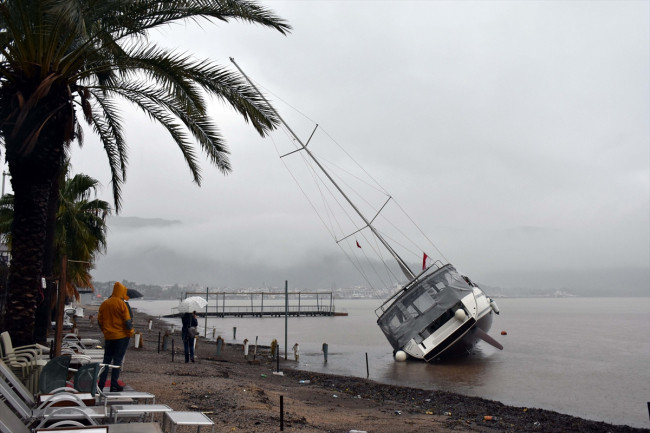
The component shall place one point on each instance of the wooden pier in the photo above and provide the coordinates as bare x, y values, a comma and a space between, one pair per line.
266, 304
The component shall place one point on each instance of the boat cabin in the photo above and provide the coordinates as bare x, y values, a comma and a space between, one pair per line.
423, 306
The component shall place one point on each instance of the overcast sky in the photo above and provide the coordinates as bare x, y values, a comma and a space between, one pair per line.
515, 133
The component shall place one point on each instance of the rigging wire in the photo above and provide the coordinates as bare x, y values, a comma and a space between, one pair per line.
332, 223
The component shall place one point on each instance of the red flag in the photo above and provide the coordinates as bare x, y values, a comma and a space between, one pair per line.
424, 261
358, 246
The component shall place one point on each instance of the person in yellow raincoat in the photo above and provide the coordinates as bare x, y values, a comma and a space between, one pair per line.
116, 322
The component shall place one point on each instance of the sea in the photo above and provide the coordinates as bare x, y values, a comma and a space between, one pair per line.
586, 357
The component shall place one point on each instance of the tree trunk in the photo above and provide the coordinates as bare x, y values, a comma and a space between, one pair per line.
28, 240
44, 308
33, 170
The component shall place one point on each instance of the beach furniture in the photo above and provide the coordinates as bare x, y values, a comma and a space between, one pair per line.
75, 429
7, 346
54, 374
11, 423
118, 411
45, 413
25, 360
84, 394
124, 397
81, 352
42, 401
85, 343
85, 380
150, 427
177, 418
14, 381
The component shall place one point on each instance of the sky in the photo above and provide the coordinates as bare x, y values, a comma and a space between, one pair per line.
515, 133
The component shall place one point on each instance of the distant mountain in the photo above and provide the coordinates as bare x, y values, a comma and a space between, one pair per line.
160, 251
137, 222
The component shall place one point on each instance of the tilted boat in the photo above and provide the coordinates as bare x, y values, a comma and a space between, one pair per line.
439, 313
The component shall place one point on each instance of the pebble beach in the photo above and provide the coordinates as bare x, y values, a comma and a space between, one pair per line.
246, 394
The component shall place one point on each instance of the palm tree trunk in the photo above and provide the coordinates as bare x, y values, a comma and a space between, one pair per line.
28, 239
34, 167
44, 308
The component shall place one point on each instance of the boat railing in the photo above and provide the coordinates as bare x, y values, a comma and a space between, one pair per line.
437, 265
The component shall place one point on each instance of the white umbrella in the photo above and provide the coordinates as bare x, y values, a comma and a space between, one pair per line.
193, 303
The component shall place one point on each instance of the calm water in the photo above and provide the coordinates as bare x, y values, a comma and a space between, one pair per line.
588, 357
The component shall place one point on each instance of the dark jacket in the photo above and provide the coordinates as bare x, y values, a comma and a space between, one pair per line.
188, 321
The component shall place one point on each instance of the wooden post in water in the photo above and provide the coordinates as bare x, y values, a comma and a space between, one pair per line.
367, 368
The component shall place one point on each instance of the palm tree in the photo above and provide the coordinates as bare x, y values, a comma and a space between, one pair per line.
57, 56
80, 230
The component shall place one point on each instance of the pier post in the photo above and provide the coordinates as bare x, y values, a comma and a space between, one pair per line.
367, 367
165, 341
286, 315
219, 345
205, 326
331, 303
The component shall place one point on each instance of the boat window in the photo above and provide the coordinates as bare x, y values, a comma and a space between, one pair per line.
413, 312
394, 322
424, 302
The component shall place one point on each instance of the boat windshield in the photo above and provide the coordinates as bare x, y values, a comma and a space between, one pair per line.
427, 302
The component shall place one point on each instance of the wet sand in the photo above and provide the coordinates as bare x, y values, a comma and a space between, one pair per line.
244, 394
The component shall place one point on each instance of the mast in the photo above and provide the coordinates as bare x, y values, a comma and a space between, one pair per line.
403, 266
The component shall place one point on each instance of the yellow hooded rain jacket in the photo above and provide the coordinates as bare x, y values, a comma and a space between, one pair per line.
114, 317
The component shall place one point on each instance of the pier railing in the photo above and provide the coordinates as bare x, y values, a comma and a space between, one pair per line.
266, 304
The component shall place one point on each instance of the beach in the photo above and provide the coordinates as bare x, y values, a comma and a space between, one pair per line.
244, 393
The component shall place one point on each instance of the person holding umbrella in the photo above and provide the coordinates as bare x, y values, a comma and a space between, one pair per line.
188, 332
116, 322
187, 308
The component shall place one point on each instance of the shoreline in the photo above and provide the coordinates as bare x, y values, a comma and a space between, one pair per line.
244, 394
